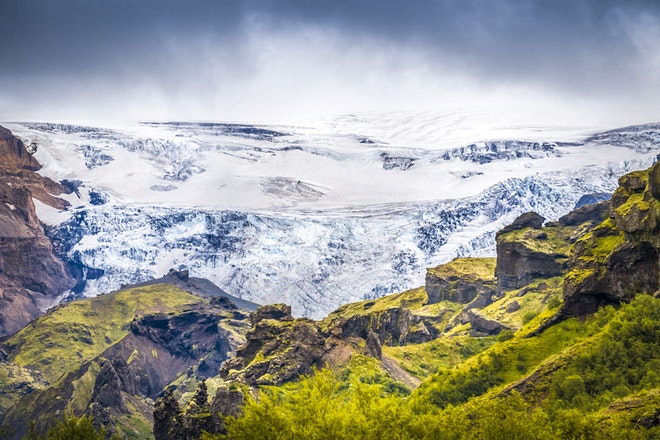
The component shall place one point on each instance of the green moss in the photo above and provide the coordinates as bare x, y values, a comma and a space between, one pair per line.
635, 201
412, 300
549, 240
578, 275
422, 360
83, 389
466, 268
603, 246
78, 331
14, 381
134, 426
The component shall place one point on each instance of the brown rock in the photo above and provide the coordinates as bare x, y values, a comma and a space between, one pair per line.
526, 220
31, 276
13, 153
280, 312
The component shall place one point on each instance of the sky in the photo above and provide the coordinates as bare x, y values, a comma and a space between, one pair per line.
283, 61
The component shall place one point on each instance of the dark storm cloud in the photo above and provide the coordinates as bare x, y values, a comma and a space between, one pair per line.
575, 46
71, 35
571, 43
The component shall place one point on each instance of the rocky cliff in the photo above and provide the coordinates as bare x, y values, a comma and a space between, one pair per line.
31, 276
111, 356
619, 258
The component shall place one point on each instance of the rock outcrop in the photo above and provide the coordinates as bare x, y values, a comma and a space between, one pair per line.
481, 326
278, 348
620, 258
526, 251
31, 276
463, 281
117, 387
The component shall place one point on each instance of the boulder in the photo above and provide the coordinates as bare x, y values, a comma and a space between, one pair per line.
526, 220
279, 312
480, 325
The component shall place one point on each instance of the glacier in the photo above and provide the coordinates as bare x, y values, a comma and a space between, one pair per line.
311, 216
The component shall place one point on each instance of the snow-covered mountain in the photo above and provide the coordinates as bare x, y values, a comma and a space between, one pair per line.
313, 216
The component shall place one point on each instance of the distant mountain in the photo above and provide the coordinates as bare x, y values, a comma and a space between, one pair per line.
314, 216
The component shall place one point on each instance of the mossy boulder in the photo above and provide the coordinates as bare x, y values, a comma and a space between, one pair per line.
462, 281
280, 312
530, 252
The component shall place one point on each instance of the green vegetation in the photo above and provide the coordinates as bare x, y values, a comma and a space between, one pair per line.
533, 299
71, 428
77, 332
421, 360
469, 269
551, 240
594, 380
413, 299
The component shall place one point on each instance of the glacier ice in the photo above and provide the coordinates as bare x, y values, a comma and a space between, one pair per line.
307, 217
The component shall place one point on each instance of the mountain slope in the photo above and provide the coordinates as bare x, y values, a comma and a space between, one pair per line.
31, 276
569, 377
108, 357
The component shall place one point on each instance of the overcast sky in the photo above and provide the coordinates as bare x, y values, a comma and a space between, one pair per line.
282, 60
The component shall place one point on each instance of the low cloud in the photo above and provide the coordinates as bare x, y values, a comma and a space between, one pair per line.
279, 60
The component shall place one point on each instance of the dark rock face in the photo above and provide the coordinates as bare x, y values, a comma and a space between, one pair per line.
31, 276
188, 338
170, 422
517, 266
280, 312
526, 220
392, 327
593, 213
228, 402
620, 258
519, 261
167, 415
440, 289
457, 289
107, 388
289, 349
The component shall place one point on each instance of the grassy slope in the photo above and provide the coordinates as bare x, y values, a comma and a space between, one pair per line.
577, 379
76, 332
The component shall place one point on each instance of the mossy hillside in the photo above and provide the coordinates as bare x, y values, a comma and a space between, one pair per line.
134, 425
78, 331
445, 352
567, 394
614, 353
83, 388
598, 244
467, 269
413, 300
636, 205
533, 299
416, 300
619, 258
16, 381
551, 240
